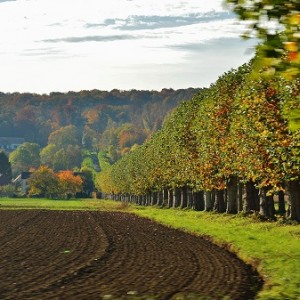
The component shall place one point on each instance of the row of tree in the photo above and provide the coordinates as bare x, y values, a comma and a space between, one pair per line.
228, 149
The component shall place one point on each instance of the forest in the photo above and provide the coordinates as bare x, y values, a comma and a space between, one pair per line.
62, 129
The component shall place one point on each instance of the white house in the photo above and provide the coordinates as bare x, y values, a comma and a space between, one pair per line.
22, 181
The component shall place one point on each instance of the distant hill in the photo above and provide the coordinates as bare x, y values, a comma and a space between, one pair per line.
118, 119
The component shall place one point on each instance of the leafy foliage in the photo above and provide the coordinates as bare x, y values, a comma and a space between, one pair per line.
8, 190
45, 183
48, 119
25, 157
63, 125
69, 184
235, 129
277, 25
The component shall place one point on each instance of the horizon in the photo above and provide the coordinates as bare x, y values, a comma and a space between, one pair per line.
97, 90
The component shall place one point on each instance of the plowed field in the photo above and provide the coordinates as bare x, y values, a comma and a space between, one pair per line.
102, 255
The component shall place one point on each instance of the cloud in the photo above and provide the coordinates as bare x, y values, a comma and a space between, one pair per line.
121, 43
42, 52
144, 22
107, 22
217, 44
155, 22
55, 24
96, 38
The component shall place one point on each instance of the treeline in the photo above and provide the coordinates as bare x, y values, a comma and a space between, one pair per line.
229, 149
111, 121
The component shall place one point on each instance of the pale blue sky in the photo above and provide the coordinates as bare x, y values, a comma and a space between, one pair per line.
63, 45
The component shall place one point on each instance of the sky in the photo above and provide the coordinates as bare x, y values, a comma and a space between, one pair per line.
73, 45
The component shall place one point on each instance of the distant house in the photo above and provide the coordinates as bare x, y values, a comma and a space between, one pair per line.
10, 144
22, 180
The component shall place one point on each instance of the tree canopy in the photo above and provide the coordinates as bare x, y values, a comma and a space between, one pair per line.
46, 183
277, 26
94, 120
26, 156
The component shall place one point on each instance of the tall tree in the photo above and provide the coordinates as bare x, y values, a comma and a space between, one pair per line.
61, 158
67, 135
44, 182
5, 169
26, 156
69, 184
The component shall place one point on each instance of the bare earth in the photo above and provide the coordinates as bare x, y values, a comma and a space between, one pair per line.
101, 255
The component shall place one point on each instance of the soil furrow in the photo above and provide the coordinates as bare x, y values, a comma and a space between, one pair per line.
96, 255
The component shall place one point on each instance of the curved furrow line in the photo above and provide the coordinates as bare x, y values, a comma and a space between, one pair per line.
140, 261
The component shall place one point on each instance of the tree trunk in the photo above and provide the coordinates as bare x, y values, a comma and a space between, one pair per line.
293, 192
140, 199
190, 200
160, 198
281, 203
240, 204
208, 201
153, 200
131, 198
176, 197
148, 199
144, 199
266, 203
198, 200
166, 197
219, 204
183, 200
250, 197
232, 195
170, 198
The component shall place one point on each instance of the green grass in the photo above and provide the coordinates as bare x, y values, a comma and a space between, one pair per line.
72, 204
272, 247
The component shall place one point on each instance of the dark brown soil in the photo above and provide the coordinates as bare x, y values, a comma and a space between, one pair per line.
101, 255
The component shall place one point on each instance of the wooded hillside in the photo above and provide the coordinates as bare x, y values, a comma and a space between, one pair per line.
102, 119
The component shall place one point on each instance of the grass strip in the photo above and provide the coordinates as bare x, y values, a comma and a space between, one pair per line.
72, 204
